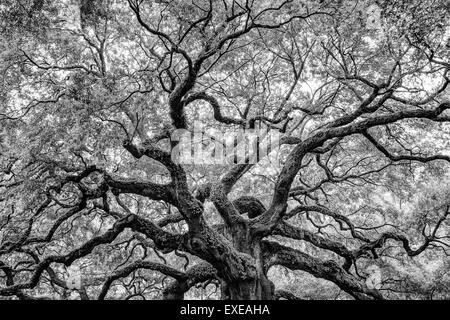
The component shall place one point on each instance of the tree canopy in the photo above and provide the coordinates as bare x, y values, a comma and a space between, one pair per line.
94, 205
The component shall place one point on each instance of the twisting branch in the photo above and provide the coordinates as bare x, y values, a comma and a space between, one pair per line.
286, 230
293, 163
393, 157
380, 242
277, 254
196, 274
124, 272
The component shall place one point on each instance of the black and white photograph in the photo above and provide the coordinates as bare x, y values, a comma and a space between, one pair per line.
228, 150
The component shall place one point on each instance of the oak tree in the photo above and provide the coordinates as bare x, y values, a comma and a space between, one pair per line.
94, 206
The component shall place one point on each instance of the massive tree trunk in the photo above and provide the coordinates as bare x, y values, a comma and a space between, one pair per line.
260, 288
241, 270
